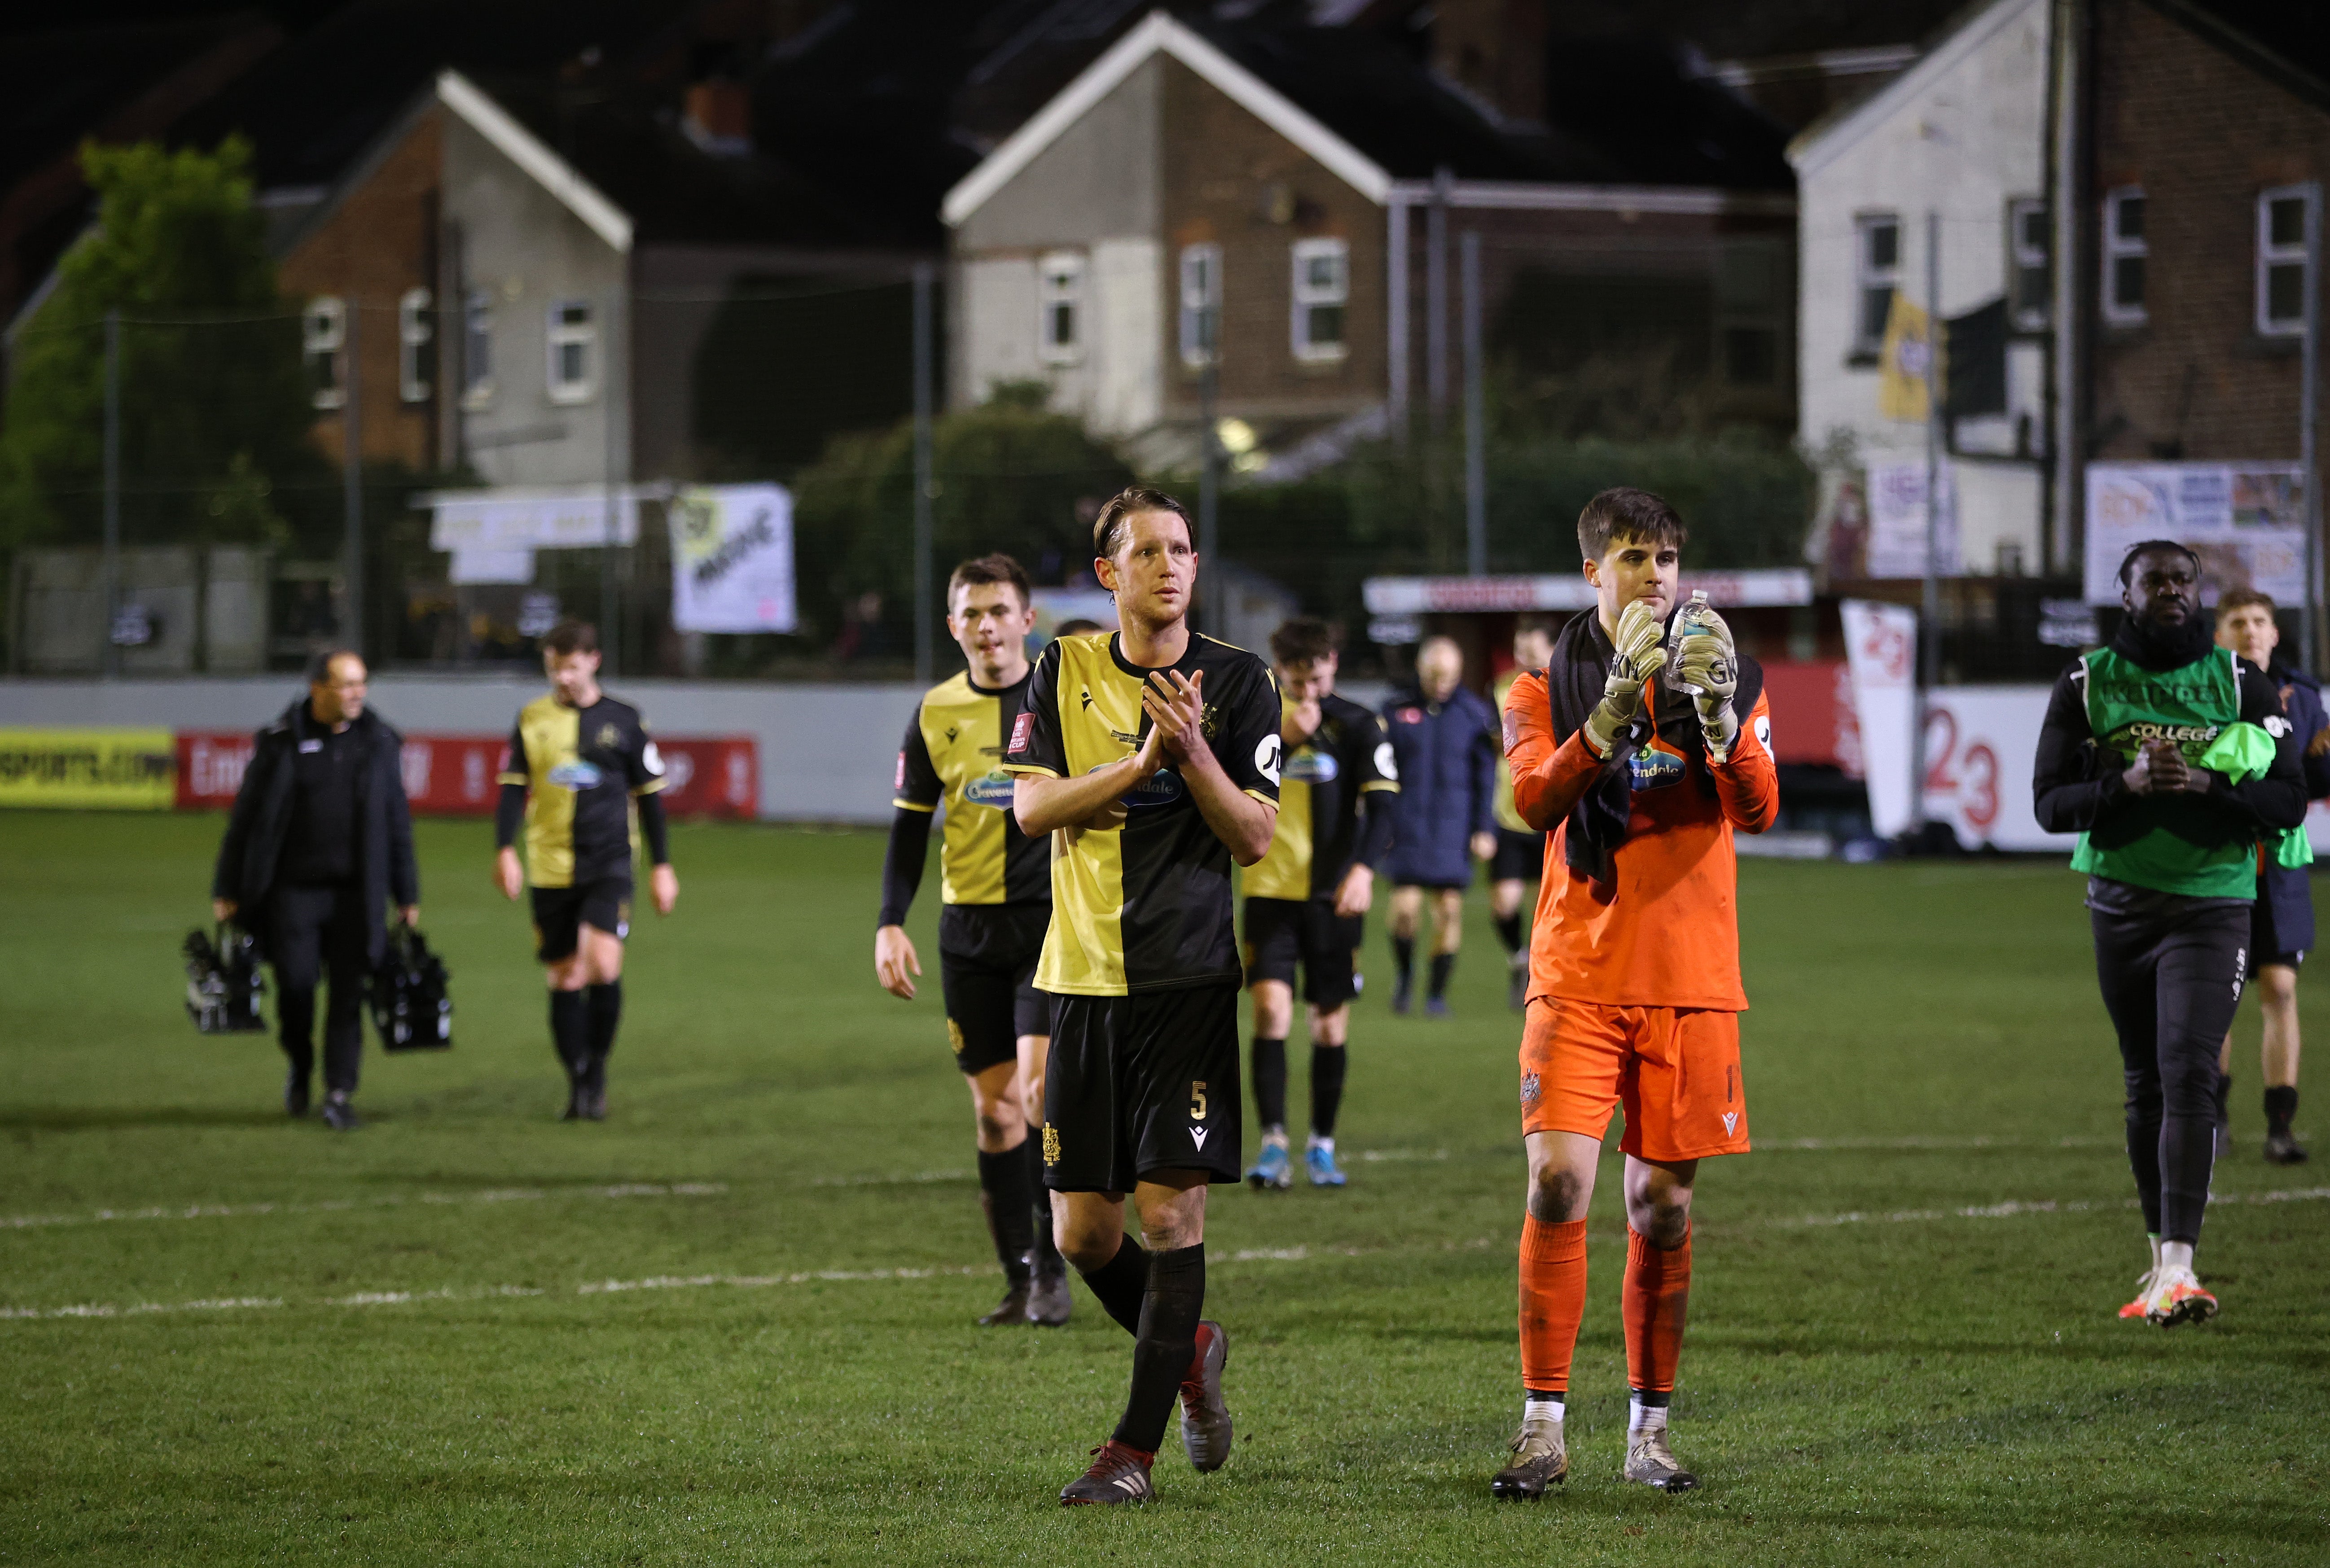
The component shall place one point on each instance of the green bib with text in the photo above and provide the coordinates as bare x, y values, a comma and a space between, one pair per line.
2166, 842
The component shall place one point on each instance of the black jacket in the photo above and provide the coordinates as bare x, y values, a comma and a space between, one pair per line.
261, 819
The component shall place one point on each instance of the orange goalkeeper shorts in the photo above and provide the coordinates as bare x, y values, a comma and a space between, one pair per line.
1676, 1070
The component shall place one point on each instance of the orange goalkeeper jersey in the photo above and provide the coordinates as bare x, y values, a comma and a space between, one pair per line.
1664, 932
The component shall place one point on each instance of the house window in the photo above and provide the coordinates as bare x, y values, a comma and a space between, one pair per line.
573, 342
416, 346
1750, 296
1323, 293
1060, 305
2282, 221
477, 348
324, 340
1201, 303
1876, 274
2027, 280
2125, 251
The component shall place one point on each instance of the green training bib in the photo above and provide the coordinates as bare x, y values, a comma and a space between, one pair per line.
2163, 841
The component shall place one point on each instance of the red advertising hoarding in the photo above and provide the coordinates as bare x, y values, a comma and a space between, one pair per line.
454, 775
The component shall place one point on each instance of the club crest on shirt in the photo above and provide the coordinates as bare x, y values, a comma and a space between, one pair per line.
1655, 766
610, 737
990, 789
576, 775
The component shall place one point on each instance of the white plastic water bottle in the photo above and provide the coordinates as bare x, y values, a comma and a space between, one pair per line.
1693, 622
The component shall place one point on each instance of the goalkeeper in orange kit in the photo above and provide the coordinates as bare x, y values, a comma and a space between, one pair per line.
1642, 766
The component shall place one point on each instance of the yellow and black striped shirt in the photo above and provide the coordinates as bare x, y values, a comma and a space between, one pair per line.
954, 756
1145, 904
581, 768
1347, 757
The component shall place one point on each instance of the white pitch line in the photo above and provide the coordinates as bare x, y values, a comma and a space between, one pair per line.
365, 1299
338, 1205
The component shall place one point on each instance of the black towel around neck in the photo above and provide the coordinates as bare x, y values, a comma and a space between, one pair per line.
1574, 680
2161, 648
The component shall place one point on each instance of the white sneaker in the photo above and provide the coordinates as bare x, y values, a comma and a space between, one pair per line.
2176, 1297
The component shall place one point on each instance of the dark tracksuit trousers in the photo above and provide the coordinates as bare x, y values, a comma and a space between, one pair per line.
315, 932
2172, 976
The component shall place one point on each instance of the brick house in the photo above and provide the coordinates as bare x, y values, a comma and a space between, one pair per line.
1285, 201
2210, 122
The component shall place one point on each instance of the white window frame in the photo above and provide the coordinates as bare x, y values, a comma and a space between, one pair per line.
1868, 277
1200, 275
1308, 297
477, 348
2118, 247
324, 341
2271, 257
416, 329
2022, 257
560, 335
1060, 287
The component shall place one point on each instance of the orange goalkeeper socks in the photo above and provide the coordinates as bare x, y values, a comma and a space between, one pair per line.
1654, 1303
1553, 1300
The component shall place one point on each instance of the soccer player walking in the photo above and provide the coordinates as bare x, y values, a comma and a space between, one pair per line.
2169, 757
582, 777
2281, 922
1641, 768
1307, 900
1152, 755
996, 883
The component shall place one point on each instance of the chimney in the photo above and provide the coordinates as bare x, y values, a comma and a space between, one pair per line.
1496, 51
716, 115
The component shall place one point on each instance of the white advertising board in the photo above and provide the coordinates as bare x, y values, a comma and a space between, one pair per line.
1880, 652
731, 559
1980, 744
2244, 521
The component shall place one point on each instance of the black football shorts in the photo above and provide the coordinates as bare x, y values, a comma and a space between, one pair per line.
1519, 857
1142, 1083
604, 904
989, 1005
1282, 933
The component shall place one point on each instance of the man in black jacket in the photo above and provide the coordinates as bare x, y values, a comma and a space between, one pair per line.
319, 842
2172, 760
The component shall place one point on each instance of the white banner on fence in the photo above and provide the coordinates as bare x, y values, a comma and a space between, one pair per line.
1880, 651
2244, 521
567, 518
731, 559
1897, 523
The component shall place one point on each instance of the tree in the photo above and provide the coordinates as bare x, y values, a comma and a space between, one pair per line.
1011, 476
214, 409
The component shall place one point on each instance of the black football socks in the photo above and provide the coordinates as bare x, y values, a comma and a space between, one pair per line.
1508, 931
606, 1013
1048, 1262
1442, 965
1403, 960
1011, 1215
296, 1020
1270, 1082
569, 1032
1120, 1284
1327, 1066
1164, 1344
2280, 1109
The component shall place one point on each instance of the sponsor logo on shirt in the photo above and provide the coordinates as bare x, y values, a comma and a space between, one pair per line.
1310, 766
990, 789
652, 760
1386, 763
1265, 756
1657, 766
1163, 787
576, 775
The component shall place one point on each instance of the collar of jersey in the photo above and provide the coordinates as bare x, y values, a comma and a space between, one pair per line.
1141, 672
972, 682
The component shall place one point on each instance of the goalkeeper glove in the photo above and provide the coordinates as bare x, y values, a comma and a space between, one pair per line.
1706, 665
1640, 632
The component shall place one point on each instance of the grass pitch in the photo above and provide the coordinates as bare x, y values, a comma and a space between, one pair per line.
734, 1323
